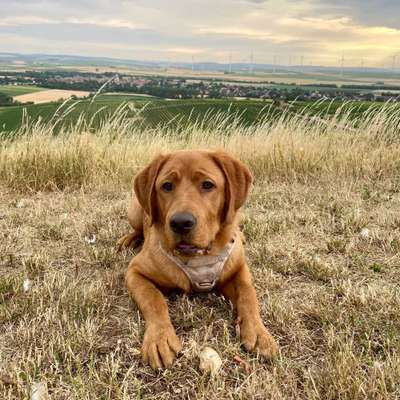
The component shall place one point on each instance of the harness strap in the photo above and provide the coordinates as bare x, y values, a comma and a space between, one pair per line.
203, 272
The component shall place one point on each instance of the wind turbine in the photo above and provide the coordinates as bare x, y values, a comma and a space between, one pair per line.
341, 65
274, 63
394, 63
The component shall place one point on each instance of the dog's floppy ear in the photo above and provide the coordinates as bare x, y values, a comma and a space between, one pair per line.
144, 186
238, 181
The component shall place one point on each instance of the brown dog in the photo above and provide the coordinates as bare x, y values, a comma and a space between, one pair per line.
186, 208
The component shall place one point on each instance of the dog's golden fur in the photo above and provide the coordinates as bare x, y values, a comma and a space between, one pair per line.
151, 273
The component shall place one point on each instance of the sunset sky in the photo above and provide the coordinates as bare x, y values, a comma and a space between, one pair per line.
364, 32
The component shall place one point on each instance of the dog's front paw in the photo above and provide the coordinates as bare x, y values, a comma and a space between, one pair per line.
160, 346
132, 239
255, 337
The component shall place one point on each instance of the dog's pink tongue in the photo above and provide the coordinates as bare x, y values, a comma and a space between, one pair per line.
185, 246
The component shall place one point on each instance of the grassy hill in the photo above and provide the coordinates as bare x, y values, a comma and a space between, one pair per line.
11, 118
154, 111
12, 90
323, 237
150, 112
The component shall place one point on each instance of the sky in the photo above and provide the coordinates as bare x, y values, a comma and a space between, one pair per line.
317, 32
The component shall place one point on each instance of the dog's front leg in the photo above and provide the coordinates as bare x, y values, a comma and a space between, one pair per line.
253, 334
160, 344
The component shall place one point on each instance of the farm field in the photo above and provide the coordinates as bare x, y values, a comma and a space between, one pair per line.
150, 112
281, 76
46, 96
11, 117
322, 234
19, 90
129, 96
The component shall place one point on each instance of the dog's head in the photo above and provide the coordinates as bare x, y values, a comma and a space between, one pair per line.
192, 195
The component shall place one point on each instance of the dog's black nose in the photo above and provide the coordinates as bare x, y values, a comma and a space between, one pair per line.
182, 222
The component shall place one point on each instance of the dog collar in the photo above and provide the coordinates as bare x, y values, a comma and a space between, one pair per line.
203, 272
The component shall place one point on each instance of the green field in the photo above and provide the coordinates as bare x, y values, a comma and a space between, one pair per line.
152, 112
12, 90
11, 117
326, 109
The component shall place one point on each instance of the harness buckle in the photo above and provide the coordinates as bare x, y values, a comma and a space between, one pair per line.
205, 286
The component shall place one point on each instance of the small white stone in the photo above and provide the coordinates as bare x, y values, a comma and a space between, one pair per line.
20, 204
210, 361
91, 239
378, 365
39, 391
364, 233
27, 284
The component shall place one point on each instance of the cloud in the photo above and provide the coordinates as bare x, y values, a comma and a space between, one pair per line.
245, 33
365, 12
25, 20
322, 24
319, 30
110, 23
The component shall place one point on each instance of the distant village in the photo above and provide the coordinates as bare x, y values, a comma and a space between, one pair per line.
185, 88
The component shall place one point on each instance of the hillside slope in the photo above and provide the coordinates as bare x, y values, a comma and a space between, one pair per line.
323, 239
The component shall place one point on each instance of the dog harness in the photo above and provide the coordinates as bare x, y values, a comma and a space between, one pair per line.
203, 272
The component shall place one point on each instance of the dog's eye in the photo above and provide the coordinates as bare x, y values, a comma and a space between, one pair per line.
167, 186
207, 185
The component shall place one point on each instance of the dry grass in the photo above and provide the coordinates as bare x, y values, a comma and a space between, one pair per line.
323, 232
46, 96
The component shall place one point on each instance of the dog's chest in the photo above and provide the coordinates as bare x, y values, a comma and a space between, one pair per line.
203, 272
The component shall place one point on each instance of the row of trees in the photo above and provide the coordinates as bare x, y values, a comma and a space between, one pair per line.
5, 100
